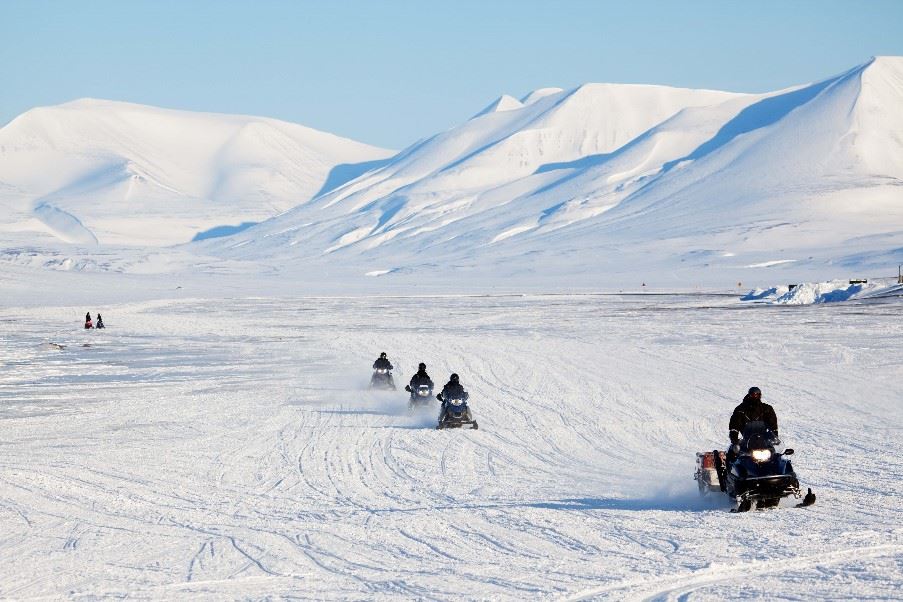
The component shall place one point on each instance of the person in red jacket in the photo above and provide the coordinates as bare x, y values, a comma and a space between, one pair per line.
88, 323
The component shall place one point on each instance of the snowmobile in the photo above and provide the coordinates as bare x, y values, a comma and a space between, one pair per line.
421, 396
382, 379
759, 474
455, 413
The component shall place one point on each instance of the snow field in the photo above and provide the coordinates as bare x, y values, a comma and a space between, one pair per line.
212, 448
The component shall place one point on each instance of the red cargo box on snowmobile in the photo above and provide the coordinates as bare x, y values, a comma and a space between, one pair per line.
706, 475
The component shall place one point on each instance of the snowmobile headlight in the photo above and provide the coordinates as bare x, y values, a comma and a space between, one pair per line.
761, 455
423, 392
456, 402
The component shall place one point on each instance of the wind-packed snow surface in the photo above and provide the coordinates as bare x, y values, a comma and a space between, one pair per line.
227, 449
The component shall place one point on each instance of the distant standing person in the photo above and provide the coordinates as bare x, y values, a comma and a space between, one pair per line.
99, 322
88, 323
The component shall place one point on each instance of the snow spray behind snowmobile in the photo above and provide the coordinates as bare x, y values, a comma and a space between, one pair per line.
455, 413
758, 475
382, 379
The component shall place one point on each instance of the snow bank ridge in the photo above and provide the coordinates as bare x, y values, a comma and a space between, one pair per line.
834, 291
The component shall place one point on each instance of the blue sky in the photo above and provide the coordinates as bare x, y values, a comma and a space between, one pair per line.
390, 72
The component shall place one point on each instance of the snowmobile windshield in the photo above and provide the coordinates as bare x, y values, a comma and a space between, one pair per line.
756, 435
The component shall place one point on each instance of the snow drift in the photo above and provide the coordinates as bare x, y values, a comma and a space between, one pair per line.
809, 293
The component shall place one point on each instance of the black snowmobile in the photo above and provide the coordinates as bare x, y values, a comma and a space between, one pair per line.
455, 413
421, 396
759, 474
382, 379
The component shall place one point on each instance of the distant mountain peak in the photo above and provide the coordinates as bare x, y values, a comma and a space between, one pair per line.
502, 103
539, 93
108, 165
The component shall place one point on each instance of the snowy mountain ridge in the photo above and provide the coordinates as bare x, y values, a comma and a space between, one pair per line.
629, 176
120, 173
603, 180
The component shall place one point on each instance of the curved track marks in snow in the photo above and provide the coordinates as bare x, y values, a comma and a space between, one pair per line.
229, 449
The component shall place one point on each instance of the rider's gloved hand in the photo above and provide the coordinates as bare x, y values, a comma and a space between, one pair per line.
735, 448
407, 388
439, 397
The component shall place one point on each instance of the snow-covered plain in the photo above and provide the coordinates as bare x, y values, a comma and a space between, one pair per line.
216, 440
226, 448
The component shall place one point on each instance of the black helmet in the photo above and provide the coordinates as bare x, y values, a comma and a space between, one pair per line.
754, 394
383, 354
421, 366
453, 378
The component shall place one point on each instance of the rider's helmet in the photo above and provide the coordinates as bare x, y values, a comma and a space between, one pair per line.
382, 355
421, 366
453, 378
754, 392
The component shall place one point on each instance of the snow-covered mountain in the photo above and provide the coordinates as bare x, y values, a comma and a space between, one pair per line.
614, 176
632, 182
94, 171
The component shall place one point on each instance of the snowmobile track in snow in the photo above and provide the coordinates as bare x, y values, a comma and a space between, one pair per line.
200, 456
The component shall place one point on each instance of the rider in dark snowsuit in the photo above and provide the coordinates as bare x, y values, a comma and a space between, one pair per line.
421, 377
88, 323
452, 390
99, 322
752, 409
382, 362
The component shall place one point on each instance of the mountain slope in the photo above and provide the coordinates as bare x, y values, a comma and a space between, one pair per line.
662, 177
602, 183
484, 163
132, 174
